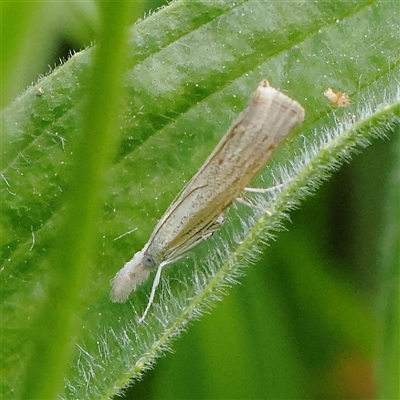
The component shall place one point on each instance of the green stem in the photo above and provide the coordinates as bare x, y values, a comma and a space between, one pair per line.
70, 264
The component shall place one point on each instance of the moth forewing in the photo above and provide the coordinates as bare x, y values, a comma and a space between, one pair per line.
240, 155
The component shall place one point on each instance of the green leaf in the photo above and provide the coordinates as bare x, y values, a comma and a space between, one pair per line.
191, 68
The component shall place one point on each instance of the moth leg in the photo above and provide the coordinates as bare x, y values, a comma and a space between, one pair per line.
198, 237
153, 291
215, 226
259, 190
264, 190
248, 204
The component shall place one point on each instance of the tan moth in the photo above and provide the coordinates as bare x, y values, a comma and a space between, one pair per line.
196, 212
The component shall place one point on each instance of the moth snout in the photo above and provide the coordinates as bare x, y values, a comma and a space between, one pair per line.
134, 272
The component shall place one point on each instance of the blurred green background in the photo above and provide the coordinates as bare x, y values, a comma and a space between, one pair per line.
315, 304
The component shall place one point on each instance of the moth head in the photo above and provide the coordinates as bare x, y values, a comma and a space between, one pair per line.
134, 272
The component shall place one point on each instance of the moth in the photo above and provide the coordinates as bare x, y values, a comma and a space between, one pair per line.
196, 211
